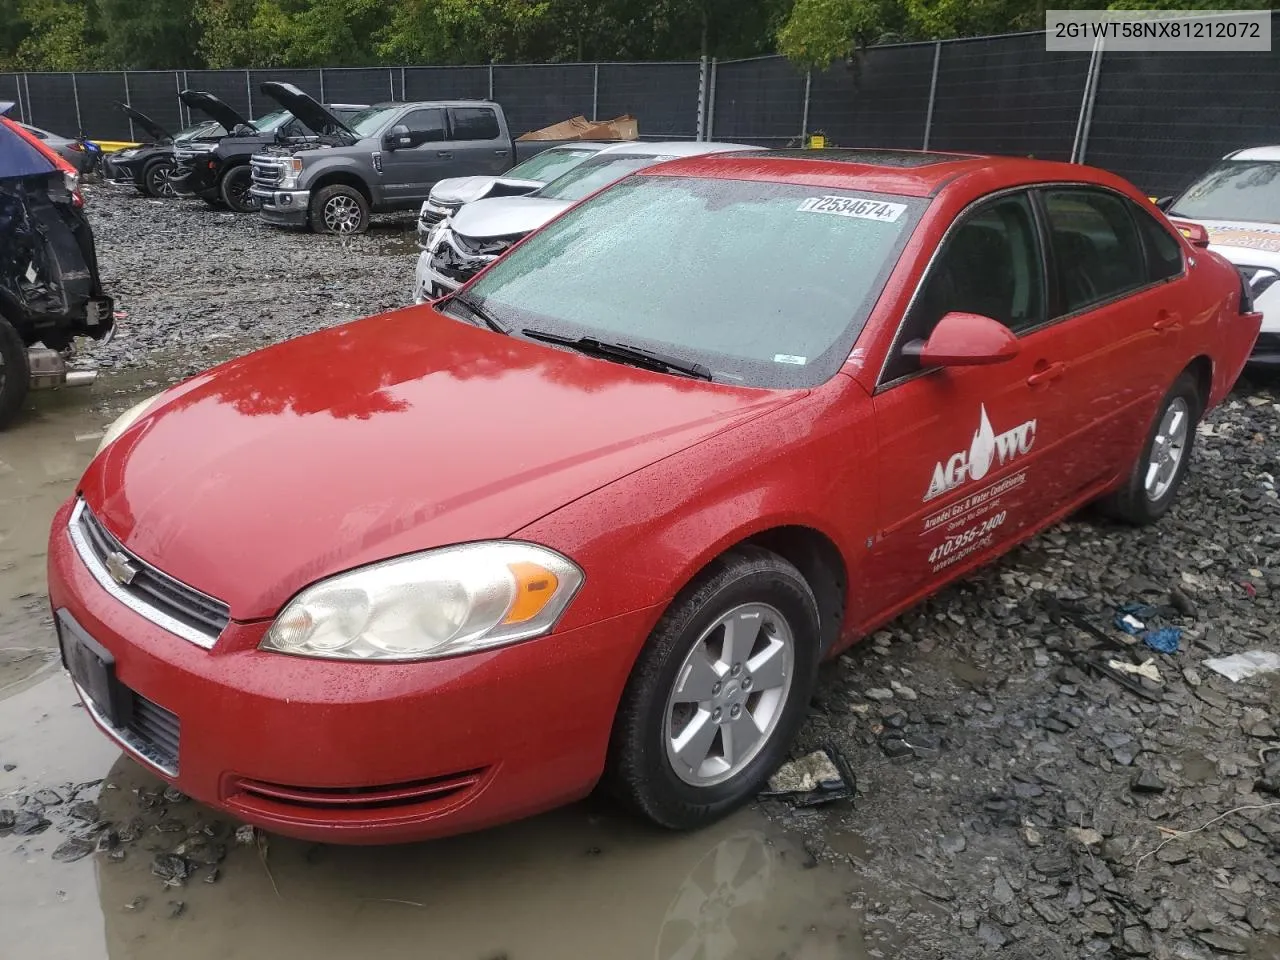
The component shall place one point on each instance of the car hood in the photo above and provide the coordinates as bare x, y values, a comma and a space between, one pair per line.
469, 189
1243, 242
397, 433
153, 129
506, 216
214, 108
307, 109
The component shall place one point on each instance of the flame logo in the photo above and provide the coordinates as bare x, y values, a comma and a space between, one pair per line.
983, 449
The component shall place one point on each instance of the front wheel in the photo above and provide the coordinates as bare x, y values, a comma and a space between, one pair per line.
718, 692
157, 179
1156, 477
339, 209
235, 190
15, 373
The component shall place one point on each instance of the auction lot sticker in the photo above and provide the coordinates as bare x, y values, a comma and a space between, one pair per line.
1176, 31
862, 208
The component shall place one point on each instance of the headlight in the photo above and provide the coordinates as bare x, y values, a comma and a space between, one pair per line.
440, 603
123, 422
292, 170
126, 154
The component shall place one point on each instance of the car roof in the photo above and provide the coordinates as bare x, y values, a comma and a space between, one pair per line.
674, 148
913, 173
1255, 153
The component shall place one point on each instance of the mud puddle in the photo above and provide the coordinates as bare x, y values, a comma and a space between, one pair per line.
583, 882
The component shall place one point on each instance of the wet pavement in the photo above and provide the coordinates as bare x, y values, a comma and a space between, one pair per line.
1008, 803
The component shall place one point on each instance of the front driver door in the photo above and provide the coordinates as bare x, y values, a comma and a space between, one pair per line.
966, 453
411, 169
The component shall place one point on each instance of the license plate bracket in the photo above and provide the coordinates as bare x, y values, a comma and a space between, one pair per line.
93, 668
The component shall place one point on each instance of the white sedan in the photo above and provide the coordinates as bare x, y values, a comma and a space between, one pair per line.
1238, 204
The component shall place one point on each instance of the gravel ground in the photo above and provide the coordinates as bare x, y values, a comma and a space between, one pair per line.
1042, 810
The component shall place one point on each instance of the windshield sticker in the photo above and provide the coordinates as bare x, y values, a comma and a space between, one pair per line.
787, 358
1251, 238
859, 207
987, 447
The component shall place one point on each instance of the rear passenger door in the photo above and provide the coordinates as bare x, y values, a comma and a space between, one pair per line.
412, 168
476, 143
1116, 307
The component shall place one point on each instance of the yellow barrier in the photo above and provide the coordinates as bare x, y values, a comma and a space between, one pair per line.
114, 146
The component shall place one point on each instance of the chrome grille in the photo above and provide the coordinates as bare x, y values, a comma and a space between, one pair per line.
266, 173
158, 597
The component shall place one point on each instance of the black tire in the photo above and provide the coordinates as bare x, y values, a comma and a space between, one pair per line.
234, 190
1132, 503
639, 772
155, 179
15, 373
324, 220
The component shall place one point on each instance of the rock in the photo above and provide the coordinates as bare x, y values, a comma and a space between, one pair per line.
176, 909
107, 840
85, 810
1221, 942
1086, 837
799, 776
244, 834
902, 691
1198, 921
895, 746
879, 694
1048, 912
28, 823
1136, 941
171, 868
1032, 836
74, 849
1145, 781
1001, 892
213, 875
174, 795
1099, 924
937, 890
1052, 864
1173, 853
47, 797
953, 844
10, 767
7, 819
991, 935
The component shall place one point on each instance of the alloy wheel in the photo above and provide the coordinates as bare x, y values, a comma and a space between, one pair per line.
729, 694
161, 182
1167, 449
342, 215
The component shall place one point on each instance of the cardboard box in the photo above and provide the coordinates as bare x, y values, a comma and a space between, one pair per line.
580, 128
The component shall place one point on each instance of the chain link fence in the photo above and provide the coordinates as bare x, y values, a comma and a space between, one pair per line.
1158, 119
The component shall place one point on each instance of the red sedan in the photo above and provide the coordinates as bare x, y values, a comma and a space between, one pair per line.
601, 514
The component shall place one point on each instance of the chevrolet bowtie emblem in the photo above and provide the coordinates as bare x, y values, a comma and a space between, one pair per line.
121, 570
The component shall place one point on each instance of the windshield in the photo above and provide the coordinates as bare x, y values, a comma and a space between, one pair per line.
202, 131
1234, 190
369, 121
766, 284
273, 121
549, 164
587, 178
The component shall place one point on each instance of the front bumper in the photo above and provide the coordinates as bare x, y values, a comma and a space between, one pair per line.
190, 181
359, 752
286, 208
429, 285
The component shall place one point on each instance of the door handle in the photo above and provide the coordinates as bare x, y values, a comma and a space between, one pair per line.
1166, 321
1047, 374
501, 153
444, 154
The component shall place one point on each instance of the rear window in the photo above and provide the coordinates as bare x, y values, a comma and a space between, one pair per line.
474, 123
1234, 190
766, 284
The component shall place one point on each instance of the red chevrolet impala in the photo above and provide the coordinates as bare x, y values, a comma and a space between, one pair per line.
600, 515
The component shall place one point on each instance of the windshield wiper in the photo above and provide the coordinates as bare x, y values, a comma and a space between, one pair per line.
651, 359
479, 312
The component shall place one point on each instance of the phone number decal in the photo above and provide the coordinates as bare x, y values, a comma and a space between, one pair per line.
962, 544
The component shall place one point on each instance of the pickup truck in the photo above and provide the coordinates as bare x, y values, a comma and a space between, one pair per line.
218, 173
385, 159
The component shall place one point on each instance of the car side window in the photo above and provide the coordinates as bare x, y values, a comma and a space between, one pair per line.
1164, 253
1096, 247
425, 126
989, 264
474, 123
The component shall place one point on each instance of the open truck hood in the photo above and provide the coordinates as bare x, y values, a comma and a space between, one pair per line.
307, 109
153, 129
214, 108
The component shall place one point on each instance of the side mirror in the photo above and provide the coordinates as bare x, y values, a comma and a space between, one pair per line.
398, 136
965, 340
1194, 232
1164, 203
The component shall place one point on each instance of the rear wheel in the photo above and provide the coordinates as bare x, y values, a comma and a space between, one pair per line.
15, 373
235, 190
718, 692
157, 179
1156, 477
339, 209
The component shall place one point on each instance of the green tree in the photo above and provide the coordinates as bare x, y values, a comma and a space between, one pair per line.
148, 34
820, 31
56, 37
